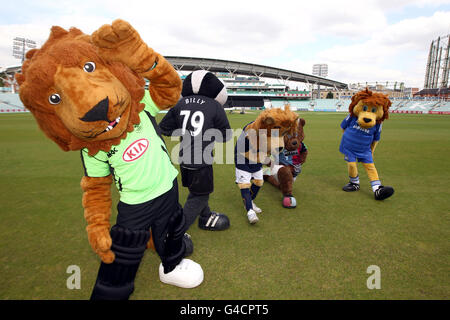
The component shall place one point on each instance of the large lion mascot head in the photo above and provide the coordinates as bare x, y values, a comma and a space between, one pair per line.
370, 108
79, 98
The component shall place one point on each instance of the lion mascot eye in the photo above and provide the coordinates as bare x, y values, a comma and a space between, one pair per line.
89, 67
54, 98
365, 108
374, 110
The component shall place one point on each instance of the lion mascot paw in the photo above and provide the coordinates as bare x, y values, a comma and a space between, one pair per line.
87, 94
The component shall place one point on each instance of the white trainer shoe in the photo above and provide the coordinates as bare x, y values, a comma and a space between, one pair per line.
252, 217
187, 274
255, 208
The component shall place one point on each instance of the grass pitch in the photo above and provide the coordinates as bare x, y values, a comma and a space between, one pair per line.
320, 250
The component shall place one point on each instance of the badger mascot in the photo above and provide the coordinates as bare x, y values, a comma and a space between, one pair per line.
200, 119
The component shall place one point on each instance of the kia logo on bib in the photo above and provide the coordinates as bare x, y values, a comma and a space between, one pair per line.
135, 150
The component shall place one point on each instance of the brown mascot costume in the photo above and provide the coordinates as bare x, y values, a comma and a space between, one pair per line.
87, 94
362, 130
258, 141
288, 164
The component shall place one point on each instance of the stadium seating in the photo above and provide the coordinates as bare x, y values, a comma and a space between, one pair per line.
300, 104
397, 104
342, 105
415, 106
11, 99
278, 103
328, 105
10, 102
336, 105
295, 104
442, 108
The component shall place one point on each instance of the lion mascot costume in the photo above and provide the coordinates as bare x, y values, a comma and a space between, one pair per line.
87, 93
258, 141
287, 165
362, 129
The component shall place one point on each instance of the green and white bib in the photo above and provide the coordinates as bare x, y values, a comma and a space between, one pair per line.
140, 164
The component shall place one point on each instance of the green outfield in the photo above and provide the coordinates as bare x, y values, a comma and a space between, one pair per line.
320, 250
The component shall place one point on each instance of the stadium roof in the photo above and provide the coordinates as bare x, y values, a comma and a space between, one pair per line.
235, 67
11, 70
243, 68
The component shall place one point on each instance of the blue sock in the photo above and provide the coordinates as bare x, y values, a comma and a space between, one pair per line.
247, 197
254, 191
375, 185
354, 180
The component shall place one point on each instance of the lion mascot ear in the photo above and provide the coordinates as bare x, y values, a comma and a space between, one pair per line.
20, 78
31, 53
301, 122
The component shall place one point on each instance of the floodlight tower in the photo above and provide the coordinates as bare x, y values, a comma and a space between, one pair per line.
21, 46
438, 64
320, 70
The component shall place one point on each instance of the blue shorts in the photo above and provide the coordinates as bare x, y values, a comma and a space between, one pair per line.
351, 156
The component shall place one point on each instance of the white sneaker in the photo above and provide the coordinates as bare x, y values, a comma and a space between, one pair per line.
252, 217
255, 208
187, 274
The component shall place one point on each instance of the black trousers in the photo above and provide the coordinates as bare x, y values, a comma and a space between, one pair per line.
200, 183
195, 205
164, 216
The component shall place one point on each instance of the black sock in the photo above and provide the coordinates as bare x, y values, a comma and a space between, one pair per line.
247, 197
254, 190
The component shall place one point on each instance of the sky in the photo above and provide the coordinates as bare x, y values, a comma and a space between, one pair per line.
361, 41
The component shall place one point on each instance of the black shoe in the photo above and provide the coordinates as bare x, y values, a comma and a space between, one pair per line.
189, 245
351, 187
383, 192
214, 222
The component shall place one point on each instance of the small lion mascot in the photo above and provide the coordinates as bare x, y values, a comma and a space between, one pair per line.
288, 165
258, 141
362, 129
87, 93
